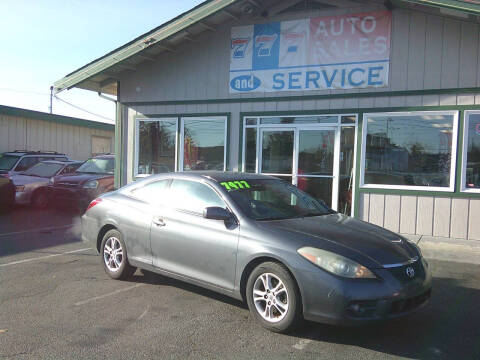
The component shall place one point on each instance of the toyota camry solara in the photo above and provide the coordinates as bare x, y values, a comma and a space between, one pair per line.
261, 240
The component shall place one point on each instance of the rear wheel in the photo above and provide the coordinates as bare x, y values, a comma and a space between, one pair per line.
114, 256
273, 297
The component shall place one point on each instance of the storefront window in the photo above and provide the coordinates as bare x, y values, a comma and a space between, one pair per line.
156, 146
410, 149
204, 143
471, 168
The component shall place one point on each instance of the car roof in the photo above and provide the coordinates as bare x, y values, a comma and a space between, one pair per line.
104, 156
217, 176
42, 153
66, 162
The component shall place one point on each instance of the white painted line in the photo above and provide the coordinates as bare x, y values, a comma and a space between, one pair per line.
38, 230
83, 302
43, 257
302, 344
143, 314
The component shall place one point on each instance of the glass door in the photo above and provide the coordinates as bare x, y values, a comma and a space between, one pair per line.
277, 153
317, 159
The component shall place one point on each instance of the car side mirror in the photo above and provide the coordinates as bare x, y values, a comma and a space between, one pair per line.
216, 213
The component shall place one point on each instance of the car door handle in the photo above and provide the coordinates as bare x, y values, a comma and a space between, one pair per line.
157, 220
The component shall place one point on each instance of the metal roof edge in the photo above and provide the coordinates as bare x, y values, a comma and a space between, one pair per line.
39, 115
463, 6
135, 46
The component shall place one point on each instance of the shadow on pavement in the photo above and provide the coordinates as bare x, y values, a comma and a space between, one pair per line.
24, 229
446, 328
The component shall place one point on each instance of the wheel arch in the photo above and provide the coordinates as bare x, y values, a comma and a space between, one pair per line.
253, 263
105, 228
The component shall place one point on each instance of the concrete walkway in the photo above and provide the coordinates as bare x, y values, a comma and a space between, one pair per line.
448, 249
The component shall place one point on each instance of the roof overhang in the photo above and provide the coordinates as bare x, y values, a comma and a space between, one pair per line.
102, 74
80, 78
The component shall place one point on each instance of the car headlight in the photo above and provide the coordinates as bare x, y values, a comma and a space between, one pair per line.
19, 188
92, 184
336, 264
51, 181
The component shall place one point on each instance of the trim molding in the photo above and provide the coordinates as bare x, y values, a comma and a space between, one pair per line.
449, 91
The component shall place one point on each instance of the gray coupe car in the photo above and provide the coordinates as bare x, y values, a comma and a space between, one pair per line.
261, 240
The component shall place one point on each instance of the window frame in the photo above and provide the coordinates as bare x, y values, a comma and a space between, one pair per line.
182, 138
137, 143
453, 157
463, 176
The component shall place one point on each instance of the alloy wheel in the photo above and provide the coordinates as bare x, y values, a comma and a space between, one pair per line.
113, 254
270, 297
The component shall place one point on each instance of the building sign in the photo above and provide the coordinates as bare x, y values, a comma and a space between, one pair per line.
328, 52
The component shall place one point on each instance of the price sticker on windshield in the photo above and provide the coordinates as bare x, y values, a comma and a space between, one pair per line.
235, 185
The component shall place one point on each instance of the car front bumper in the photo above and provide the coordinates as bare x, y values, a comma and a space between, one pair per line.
22, 197
348, 302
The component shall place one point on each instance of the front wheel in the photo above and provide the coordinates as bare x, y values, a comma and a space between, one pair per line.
114, 256
273, 297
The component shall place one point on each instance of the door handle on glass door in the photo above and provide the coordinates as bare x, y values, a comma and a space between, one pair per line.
157, 220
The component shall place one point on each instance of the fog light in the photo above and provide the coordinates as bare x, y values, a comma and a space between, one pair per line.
365, 308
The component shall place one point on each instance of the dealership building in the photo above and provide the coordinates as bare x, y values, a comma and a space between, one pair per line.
372, 106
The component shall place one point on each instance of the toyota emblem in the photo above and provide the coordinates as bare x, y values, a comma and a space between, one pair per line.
410, 272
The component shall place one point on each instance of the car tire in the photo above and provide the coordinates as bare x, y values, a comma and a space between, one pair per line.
40, 200
114, 256
280, 311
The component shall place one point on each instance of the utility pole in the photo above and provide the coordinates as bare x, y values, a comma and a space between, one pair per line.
51, 97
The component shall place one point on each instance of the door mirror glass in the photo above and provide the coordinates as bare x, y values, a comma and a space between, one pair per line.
216, 213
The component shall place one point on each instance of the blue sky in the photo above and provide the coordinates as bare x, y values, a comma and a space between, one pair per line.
43, 40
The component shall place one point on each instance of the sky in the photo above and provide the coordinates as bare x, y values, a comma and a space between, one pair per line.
44, 40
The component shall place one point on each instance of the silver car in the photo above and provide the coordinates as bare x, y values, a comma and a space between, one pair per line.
30, 185
262, 240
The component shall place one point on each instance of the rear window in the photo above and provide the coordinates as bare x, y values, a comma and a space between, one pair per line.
8, 161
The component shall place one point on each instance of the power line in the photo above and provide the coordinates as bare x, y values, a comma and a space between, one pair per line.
24, 91
82, 109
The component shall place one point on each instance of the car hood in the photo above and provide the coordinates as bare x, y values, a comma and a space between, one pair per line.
78, 178
366, 243
26, 180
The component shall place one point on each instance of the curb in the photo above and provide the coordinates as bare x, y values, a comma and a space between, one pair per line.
448, 249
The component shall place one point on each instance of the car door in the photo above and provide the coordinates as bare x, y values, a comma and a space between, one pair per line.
186, 243
143, 202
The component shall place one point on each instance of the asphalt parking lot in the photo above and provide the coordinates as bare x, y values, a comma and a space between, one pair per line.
56, 302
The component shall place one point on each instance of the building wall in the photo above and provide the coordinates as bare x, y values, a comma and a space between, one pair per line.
428, 52
442, 216
19, 133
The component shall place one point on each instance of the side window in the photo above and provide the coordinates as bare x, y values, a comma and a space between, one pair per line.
153, 192
193, 196
26, 163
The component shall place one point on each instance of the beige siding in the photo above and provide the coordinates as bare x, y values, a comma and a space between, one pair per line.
18, 133
441, 217
423, 215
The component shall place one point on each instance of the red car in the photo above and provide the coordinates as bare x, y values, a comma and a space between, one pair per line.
93, 178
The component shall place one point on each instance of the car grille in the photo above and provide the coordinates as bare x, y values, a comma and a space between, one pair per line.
406, 305
400, 272
68, 184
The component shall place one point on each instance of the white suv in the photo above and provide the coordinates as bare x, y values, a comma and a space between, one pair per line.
17, 161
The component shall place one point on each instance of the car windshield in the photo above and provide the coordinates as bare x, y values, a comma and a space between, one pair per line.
44, 169
7, 161
97, 166
273, 199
